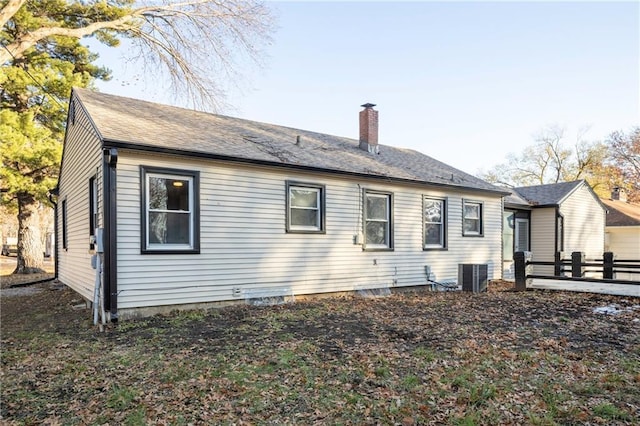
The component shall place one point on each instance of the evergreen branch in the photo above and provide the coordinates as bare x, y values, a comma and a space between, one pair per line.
17, 49
130, 21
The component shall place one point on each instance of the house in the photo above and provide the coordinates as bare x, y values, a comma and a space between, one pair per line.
622, 230
197, 208
546, 219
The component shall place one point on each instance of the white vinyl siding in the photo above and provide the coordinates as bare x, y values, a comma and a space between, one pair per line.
82, 160
243, 246
543, 234
624, 242
584, 221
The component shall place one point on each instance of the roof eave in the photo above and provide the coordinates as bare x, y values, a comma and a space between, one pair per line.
541, 206
517, 206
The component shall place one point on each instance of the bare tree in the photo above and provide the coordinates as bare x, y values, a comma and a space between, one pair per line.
552, 156
542, 162
42, 57
191, 41
625, 157
550, 160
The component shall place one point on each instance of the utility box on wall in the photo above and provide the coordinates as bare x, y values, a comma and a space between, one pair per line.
473, 277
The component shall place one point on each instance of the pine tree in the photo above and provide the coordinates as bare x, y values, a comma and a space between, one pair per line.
34, 89
41, 59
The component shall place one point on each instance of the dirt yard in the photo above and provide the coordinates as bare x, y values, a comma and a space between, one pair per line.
8, 265
501, 357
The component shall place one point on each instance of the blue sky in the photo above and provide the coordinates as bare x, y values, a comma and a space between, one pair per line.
463, 82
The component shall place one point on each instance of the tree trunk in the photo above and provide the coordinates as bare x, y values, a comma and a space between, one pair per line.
30, 250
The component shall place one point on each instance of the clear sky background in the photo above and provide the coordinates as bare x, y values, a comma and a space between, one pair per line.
463, 82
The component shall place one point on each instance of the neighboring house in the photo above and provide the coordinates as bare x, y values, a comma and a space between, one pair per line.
623, 229
545, 219
10, 246
199, 208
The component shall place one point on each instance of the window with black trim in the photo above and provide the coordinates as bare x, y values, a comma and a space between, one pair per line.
378, 220
472, 218
93, 205
64, 224
435, 222
560, 232
93, 208
305, 207
170, 210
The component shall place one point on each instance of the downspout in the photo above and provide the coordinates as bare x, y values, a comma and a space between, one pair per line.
54, 193
555, 231
110, 287
502, 239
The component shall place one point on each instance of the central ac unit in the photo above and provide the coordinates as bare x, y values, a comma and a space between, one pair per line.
473, 277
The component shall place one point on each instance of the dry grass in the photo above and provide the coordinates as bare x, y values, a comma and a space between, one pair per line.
503, 357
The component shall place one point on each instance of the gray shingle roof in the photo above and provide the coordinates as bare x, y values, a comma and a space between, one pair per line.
547, 195
127, 122
514, 200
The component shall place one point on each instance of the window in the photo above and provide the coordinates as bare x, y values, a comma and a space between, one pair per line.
64, 224
559, 232
378, 220
93, 208
305, 207
93, 205
434, 214
170, 211
508, 227
471, 218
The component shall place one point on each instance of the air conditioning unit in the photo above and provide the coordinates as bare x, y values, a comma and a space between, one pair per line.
473, 277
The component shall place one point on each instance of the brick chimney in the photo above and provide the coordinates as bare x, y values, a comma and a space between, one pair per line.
619, 194
369, 129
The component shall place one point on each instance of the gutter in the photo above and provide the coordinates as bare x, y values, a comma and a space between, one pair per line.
110, 287
111, 143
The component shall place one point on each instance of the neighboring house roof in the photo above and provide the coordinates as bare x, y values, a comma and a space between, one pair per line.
548, 195
622, 213
135, 124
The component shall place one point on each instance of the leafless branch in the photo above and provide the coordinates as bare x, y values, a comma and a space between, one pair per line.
196, 43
